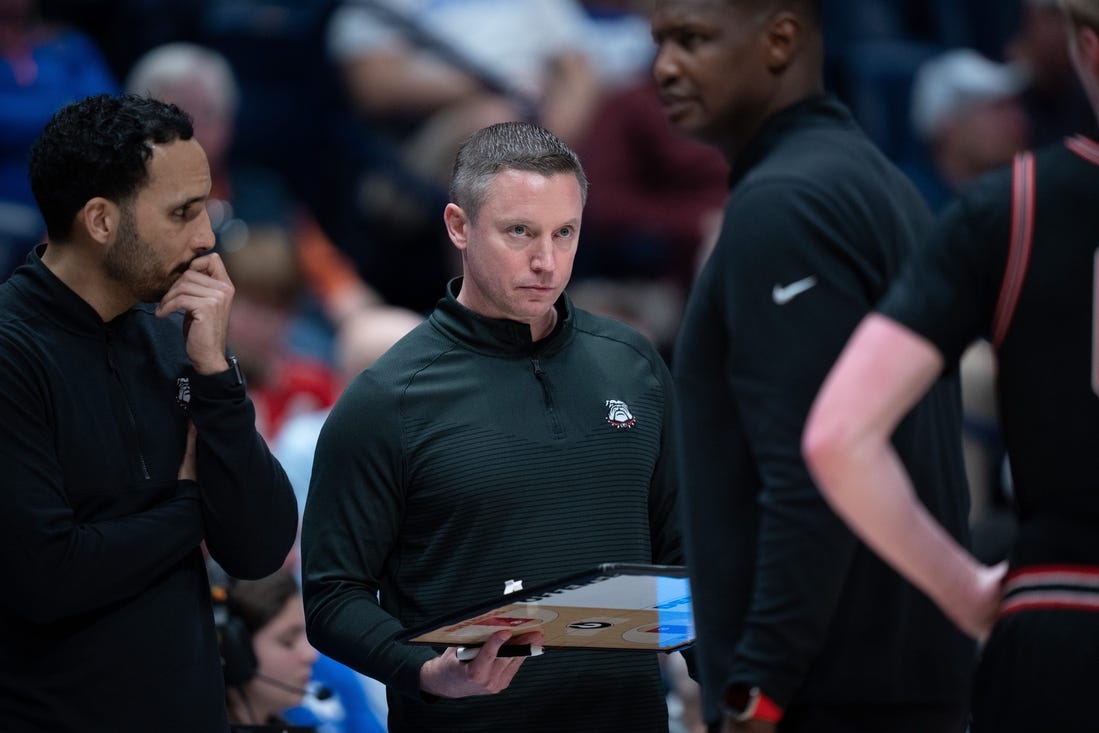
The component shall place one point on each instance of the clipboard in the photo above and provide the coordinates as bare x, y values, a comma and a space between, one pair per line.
613, 606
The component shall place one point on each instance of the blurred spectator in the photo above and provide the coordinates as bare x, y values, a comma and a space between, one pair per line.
967, 111
42, 68
361, 339
126, 29
1054, 98
289, 90
266, 659
684, 696
993, 527
477, 61
267, 275
653, 191
201, 82
342, 701
364, 338
653, 307
423, 75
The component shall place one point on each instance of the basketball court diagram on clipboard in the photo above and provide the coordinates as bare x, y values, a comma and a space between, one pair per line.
624, 607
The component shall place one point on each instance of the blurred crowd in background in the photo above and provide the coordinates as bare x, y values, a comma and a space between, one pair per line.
331, 125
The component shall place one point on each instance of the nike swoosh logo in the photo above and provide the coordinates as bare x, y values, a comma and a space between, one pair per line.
784, 294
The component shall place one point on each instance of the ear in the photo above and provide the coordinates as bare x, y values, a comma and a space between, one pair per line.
101, 218
1087, 45
457, 225
784, 36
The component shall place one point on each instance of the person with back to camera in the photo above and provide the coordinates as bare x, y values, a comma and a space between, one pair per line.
1014, 259
128, 439
509, 436
800, 627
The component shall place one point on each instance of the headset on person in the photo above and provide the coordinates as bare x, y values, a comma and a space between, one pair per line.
238, 655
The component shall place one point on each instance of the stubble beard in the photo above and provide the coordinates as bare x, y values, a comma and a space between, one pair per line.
131, 264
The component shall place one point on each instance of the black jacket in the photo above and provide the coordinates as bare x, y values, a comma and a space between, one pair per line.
817, 224
468, 455
105, 622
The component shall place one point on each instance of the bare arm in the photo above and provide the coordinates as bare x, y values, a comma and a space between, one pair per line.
571, 96
401, 82
880, 375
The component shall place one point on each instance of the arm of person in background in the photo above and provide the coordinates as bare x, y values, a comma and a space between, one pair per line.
388, 77
881, 374
402, 82
249, 508
329, 273
58, 566
351, 527
571, 95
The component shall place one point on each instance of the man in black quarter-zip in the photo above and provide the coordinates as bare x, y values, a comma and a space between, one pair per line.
510, 435
127, 439
800, 627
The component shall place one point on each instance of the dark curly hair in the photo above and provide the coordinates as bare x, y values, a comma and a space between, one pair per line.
99, 146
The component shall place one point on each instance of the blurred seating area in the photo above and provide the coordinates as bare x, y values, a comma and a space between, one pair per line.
356, 106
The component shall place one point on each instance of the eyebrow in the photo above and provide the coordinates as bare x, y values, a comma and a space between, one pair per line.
188, 202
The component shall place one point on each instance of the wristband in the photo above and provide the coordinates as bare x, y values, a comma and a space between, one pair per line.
744, 703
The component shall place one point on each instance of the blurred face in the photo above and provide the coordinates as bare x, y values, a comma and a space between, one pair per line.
257, 332
284, 655
709, 67
1043, 44
517, 257
992, 132
165, 226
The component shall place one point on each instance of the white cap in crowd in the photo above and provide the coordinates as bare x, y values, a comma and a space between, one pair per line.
947, 84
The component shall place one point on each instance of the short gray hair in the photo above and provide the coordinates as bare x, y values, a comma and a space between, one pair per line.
520, 146
165, 66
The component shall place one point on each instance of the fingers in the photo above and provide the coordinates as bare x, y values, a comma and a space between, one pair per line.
192, 289
205, 295
481, 666
533, 638
504, 672
188, 470
493, 671
487, 674
211, 265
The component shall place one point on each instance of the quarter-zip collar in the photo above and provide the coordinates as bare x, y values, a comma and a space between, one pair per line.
819, 110
55, 300
499, 336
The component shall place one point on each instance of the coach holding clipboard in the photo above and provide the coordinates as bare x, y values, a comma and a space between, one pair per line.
511, 435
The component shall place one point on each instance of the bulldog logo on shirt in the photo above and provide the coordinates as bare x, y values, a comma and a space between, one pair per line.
618, 414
